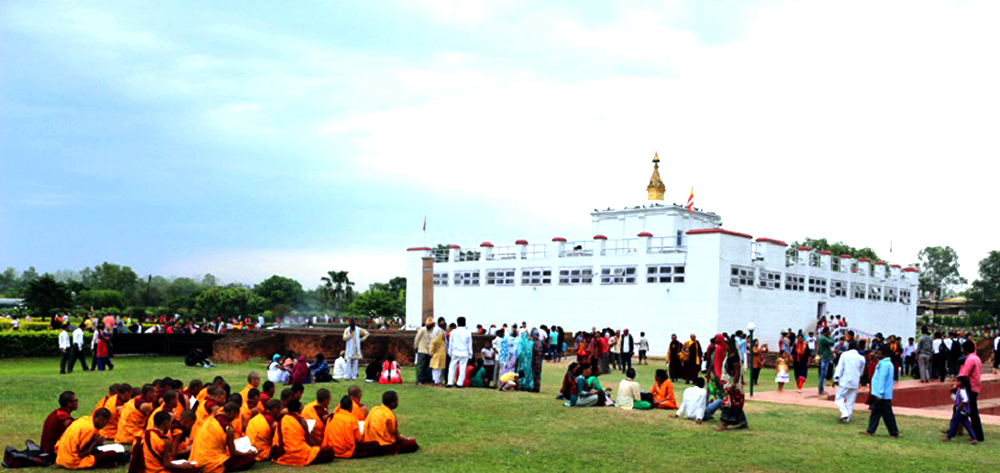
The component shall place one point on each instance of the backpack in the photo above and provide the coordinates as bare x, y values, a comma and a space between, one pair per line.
32, 455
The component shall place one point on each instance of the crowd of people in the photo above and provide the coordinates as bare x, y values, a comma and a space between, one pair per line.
167, 426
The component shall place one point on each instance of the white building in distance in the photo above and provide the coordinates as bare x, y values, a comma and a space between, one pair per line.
660, 269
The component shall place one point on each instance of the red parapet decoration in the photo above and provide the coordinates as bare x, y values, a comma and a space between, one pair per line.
910, 269
419, 248
600, 237
454, 247
486, 244
804, 248
645, 235
896, 266
709, 231
824, 252
846, 256
881, 263
559, 240
771, 241
521, 242
864, 260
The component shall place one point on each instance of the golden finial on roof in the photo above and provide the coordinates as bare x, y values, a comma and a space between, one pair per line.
656, 189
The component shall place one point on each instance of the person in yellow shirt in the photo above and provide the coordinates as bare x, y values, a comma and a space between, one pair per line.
214, 448
77, 448
382, 427
157, 449
300, 449
358, 408
262, 427
343, 434
318, 411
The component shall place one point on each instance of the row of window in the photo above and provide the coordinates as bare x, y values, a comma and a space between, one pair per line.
748, 276
577, 276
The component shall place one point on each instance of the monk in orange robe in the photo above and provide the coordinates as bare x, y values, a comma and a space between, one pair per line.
157, 449
663, 391
300, 448
58, 421
77, 448
262, 427
180, 434
192, 391
169, 403
358, 408
249, 408
114, 405
214, 449
134, 414
343, 434
266, 394
318, 411
208, 408
112, 392
382, 427
218, 382
253, 382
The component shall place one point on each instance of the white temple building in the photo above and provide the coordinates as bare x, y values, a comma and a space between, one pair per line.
660, 269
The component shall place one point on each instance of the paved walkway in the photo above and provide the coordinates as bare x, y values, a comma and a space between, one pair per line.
809, 397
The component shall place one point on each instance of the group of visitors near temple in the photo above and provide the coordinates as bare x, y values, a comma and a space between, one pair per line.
167, 426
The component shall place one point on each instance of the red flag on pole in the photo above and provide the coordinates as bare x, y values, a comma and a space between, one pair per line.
690, 203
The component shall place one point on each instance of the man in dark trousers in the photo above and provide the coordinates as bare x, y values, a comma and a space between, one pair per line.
973, 368
628, 348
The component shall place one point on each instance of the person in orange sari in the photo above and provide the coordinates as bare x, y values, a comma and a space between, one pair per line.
133, 417
58, 421
382, 427
253, 382
214, 448
156, 447
343, 434
215, 398
262, 427
114, 404
249, 408
318, 411
663, 391
300, 448
77, 448
358, 408
169, 400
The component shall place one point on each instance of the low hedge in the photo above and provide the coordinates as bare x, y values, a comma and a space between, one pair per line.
5, 324
27, 344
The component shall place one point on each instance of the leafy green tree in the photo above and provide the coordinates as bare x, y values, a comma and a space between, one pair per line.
181, 292
938, 270
279, 290
376, 303
114, 277
44, 295
837, 248
10, 283
228, 302
101, 299
209, 280
985, 292
339, 289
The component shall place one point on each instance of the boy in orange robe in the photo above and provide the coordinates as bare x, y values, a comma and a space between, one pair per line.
358, 409
114, 404
133, 417
262, 427
249, 408
318, 411
253, 382
77, 448
382, 427
181, 437
209, 407
663, 391
343, 434
214, 448
237, 423
169, 399
157, 449
300, 448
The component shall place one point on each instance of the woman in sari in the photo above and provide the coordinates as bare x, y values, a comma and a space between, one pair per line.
732, 416
800, 361
300, 371
525, 350
509, 343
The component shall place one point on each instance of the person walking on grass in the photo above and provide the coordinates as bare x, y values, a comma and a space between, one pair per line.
643, 349
824, 345
847, 378
66, 351
881, 394
961, 411
972, 369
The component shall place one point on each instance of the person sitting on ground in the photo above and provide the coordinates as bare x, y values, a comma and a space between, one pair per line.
215, 398
663, 391
340, 368
569, 383
253, 382
300, 448
508, 381
156, 447
297, 391
629, 395
261, 429
479, 377
300, 371
390, 371
276, 371
113, 403
695, 401
358, 408
320, 370
58, 421
77, 448
372, 371
266, 394
587, 395
134, 414
343, 434
381, 426
249, 408
197, 357
180, 434
318, 412
168, 402
237, 423
214, 449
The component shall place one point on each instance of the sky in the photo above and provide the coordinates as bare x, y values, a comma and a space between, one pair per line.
251, 138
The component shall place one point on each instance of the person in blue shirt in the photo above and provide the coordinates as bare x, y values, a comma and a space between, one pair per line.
881, 395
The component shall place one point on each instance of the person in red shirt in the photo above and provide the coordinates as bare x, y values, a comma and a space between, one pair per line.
57, 422
973, 368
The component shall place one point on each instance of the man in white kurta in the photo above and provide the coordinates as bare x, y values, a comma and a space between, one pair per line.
353, 336
847, 377
460, 350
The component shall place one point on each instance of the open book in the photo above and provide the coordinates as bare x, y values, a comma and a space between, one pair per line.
182, 462
243, 445
361, 425
191, 402
113, 447
311, 424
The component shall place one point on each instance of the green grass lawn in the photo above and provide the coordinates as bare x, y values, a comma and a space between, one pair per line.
483, 430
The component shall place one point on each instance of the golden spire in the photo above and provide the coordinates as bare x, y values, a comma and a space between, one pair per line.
656, 189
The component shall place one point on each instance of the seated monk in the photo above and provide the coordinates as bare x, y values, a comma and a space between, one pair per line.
134, 414
77, 448
114, 405
318, 411
358, 409
182, 399
195, 387
249, 407
266, 394
343, 434
218, 382
663, 391
57, 422
214, 448
262, 427
180, 434
237, 423
169, 403
253, 382
112, 392
300, 449
155, 446
382, 427
208, 408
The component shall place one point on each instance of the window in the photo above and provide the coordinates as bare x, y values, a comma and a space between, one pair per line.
794, 282
857, 291
441, 279
891, 294
536, 276
874, 293
904, 296
664, 273
769, 280
741, 276
467, 278
500, 277
576, 276
838, 288
618, 275
817, 285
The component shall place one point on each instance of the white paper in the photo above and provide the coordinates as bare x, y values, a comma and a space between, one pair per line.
361, 425
191, 402
311, 424
114, 447
243, 445
182, 462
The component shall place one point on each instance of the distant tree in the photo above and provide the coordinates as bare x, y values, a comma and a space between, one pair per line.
181, 292
985, 292
938, 270
229, 302
10, 283
101, 299
837, 248
114, 277
376, 303
209, 281
279, 290
397, 284
44, 295
339, 289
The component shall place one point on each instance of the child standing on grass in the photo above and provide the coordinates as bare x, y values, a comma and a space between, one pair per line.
961, 412
782, 369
